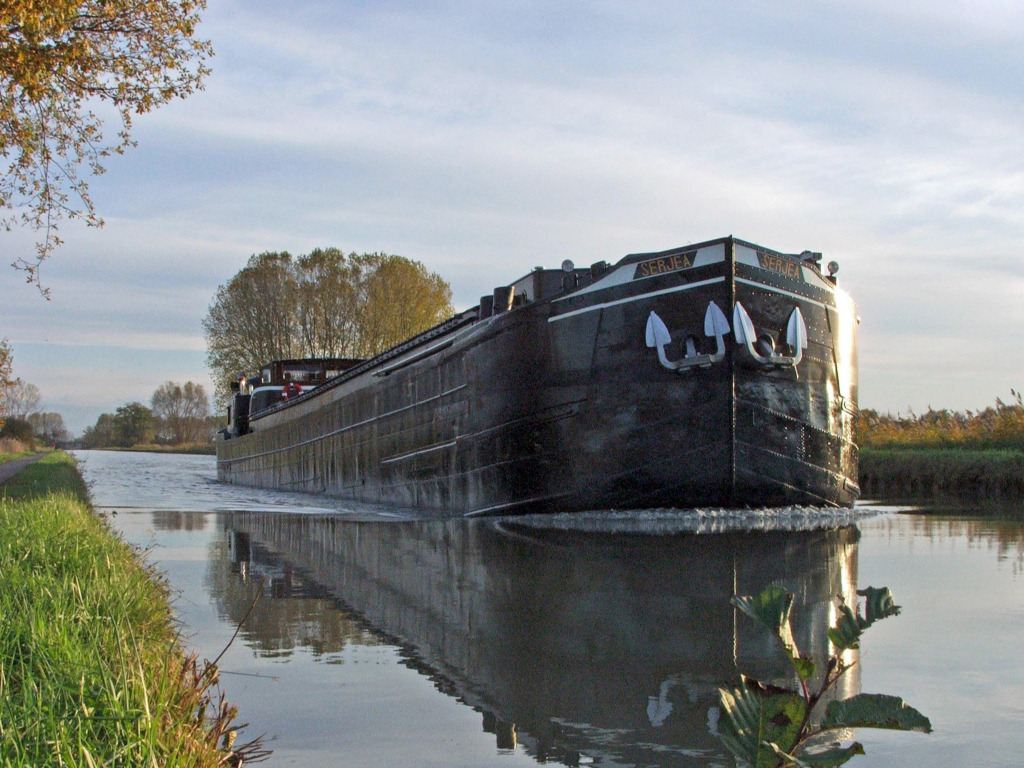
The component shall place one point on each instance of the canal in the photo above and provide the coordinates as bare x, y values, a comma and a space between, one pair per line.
374, 639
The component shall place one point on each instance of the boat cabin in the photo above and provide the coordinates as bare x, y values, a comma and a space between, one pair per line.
306, 372
277, 382
538, 285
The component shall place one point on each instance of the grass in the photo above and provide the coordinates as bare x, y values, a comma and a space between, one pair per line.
53, 475
893, 472
206, 448
192, 448
91, 668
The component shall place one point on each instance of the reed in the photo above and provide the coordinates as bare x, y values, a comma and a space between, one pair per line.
997, 427
977, 454
91, 668
12, 449
895, 472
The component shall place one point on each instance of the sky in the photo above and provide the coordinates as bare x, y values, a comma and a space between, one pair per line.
486, 138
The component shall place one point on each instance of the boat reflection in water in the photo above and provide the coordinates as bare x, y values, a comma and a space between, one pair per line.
571, 645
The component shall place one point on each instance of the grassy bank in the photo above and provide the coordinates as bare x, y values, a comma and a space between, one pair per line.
206, 449
903, 472
91, 670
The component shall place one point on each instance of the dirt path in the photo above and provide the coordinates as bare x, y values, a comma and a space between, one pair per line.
10, 468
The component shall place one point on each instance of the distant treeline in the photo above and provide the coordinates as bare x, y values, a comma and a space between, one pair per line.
996, 427
179, 416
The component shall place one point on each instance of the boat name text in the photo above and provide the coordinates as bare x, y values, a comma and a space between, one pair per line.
665, 264
778, 264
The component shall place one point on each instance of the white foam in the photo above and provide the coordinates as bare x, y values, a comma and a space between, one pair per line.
703, 521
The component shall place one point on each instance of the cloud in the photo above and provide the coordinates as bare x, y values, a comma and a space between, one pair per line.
488, 138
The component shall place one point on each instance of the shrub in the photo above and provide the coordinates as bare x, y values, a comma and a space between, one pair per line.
8, 445
18, 429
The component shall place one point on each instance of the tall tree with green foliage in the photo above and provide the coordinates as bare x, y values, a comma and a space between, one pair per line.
397, 298
103, 434
252, 318
328, 302
135, 424
59, 61
132, 424
323, 304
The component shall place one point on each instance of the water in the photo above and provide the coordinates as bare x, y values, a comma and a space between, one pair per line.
383, 640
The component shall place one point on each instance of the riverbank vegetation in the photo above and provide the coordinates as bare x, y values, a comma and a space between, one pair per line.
964, 453
896, 473
204, 449
12, 449
91, 668
998, 427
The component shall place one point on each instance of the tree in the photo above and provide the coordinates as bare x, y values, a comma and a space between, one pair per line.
59, 60
6, 363
397, 299
180, 412
133, 424
20, 399
324, 304
49, 427
328, 303
103, 434
252, 318
17, 429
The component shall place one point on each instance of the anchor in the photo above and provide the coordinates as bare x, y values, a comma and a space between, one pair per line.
715, 324
796, 337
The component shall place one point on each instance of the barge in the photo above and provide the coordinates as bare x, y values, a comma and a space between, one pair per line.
716, 374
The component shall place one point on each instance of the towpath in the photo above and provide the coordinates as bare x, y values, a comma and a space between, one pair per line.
10, 468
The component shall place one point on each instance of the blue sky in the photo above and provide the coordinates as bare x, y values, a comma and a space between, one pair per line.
486, 138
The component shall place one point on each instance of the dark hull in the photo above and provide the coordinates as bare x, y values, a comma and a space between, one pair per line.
560, 405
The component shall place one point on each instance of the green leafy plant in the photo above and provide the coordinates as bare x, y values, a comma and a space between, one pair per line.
772, 727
